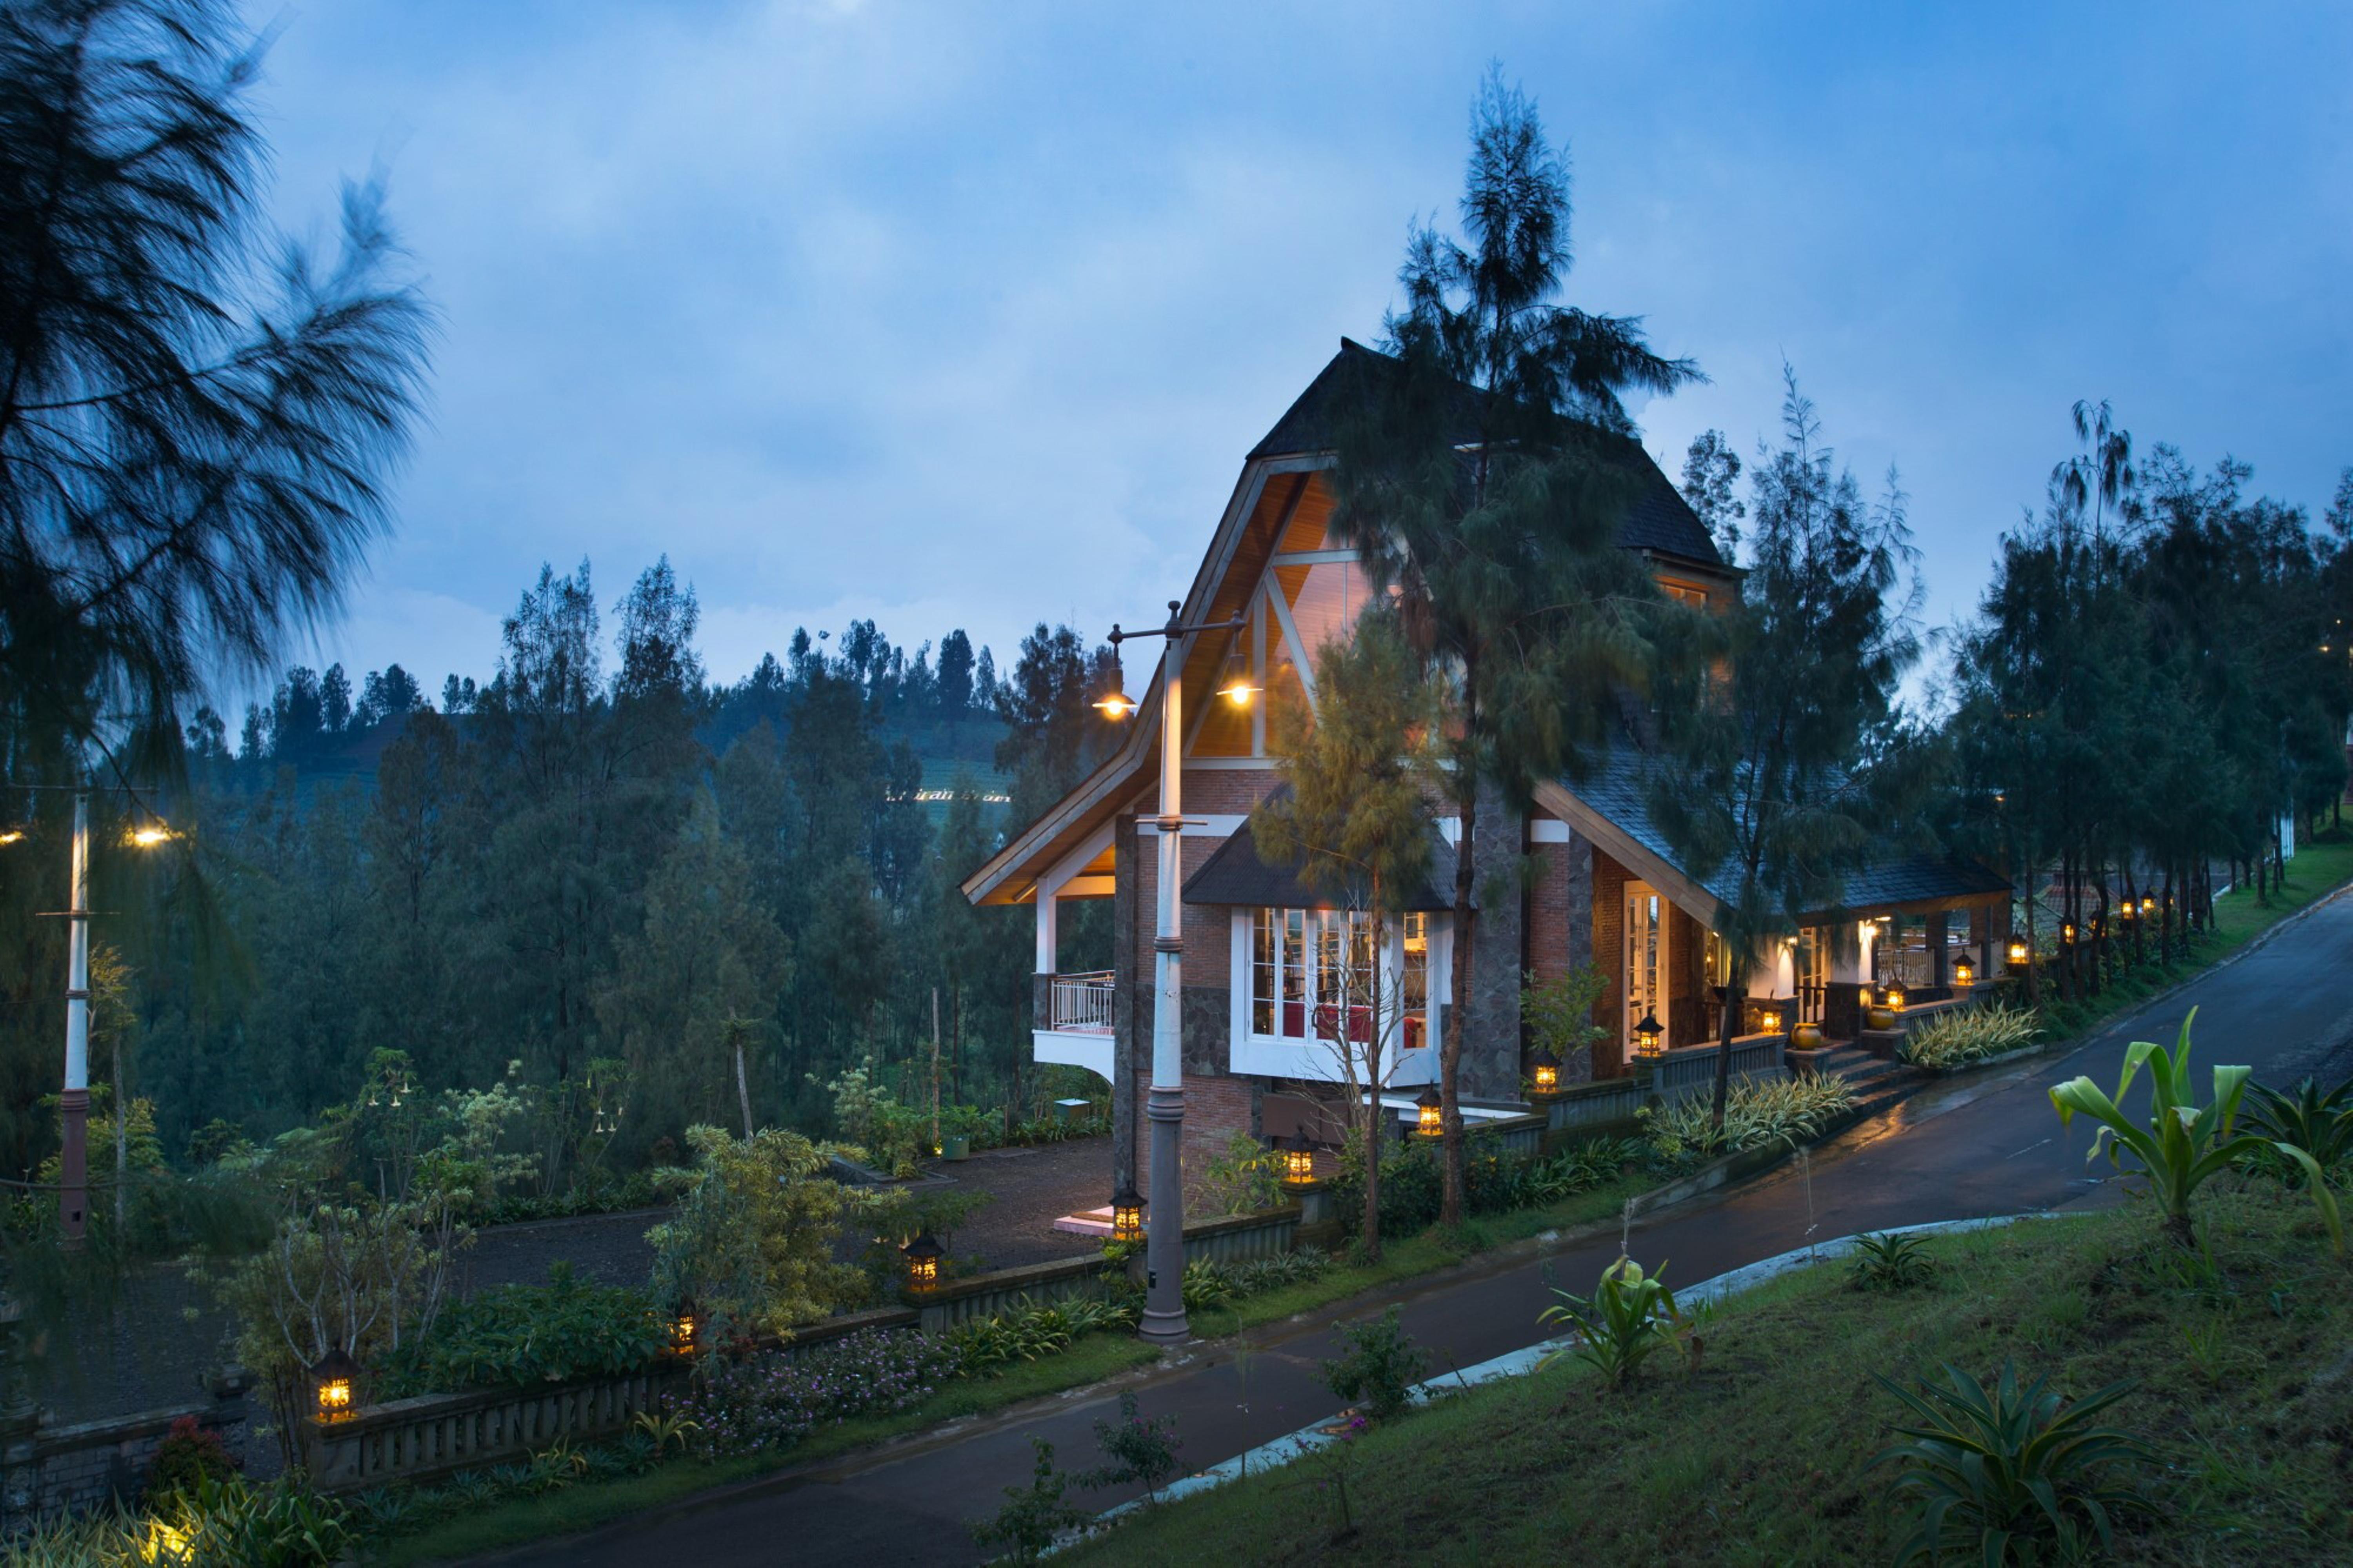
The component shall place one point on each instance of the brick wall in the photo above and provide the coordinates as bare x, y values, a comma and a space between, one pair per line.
1216, 1107
1560, 916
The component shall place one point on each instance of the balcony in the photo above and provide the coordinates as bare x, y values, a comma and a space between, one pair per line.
1074, 1014
1082, 1003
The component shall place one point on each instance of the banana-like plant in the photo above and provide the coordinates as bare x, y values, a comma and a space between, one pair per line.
1628, 1315
2182, 1142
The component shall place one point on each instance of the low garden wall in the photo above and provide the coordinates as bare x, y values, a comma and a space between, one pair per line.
436, 1434
1608, 1106
47, 1470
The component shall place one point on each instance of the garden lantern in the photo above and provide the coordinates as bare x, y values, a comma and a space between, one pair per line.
1543, 1071
684, 1323
1430, 1121
1965, 972
1647, 1036
1127, 1215
333, 1378
1769, 1020
1298, 1161
2018, 953
922, 1255
2149, 904
2067, 931
1895, 997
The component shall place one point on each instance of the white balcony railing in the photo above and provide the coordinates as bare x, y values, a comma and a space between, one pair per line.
1081, 1003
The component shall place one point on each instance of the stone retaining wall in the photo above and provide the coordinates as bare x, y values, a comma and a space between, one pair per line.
436, 1434
47, 1470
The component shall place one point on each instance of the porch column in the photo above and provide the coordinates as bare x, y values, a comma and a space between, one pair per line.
1850, 972
1938, 929
1128, 1004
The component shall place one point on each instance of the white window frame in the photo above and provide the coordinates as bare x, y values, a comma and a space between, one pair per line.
1284, 1055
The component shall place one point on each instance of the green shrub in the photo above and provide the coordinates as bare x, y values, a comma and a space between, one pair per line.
1966, 1035
523, 1334
1889, 1261
2000, 1472
1033, 1516
1628, 1315
1141, 1449
1244, 1179
2320, 1123
1412, 1181
189, 1454
1377, 1370
1785, 1112
275, 1526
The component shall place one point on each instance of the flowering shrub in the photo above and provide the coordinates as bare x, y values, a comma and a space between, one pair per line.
773, 1400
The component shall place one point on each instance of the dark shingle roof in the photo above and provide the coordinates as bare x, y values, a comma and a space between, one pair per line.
1659, 518
1235, 876
1618, 789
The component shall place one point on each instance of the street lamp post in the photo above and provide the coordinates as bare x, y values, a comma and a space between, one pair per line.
73, 1161
1164, 1249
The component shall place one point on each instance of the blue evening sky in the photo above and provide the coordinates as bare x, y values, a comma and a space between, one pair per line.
964, 314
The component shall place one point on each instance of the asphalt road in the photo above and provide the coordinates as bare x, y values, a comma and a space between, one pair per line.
1988, 1146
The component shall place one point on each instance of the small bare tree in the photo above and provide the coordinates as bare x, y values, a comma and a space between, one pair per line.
1355, 822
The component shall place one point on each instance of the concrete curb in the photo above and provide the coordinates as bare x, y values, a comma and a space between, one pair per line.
1308, 1439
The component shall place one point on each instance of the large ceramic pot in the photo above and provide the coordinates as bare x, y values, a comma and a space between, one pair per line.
1806, 1038
1879, 1016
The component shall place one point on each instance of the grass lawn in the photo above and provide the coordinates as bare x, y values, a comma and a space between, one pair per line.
1761, 1454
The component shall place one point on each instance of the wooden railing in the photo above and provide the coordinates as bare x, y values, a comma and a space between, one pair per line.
1081, 1003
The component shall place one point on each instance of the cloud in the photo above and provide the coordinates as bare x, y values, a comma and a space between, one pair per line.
955, 315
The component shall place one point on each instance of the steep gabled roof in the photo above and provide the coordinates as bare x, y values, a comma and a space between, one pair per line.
1658, 517
1612, 805
1238, 876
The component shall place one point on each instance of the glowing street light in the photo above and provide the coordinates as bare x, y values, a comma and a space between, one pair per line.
1164, 1321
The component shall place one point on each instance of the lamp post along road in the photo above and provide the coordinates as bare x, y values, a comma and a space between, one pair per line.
1164, 1249
73, 1159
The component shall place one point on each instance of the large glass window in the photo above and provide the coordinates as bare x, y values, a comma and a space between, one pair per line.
1310, 970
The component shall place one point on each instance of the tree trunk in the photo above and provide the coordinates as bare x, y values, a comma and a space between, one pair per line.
121, 1139
743, 1087
2033, 980
1449, 1051
1736, 986
1376, 1033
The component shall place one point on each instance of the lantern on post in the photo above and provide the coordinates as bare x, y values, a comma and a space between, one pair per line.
1648, 1035
1895, 997
685, 1326
922, 1255
1543, 1071
1127, 1215
1965, 972
1298, 1161
335, 1380
1430, 1121
1769, 1019
2018, 953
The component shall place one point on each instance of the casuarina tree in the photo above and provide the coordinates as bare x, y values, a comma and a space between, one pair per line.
196, 417
1354, 821
1483, 467
1781, 759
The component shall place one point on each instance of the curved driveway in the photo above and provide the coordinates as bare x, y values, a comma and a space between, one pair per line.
1986, 1146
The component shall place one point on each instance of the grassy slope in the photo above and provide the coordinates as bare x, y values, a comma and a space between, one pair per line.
1761, 1455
